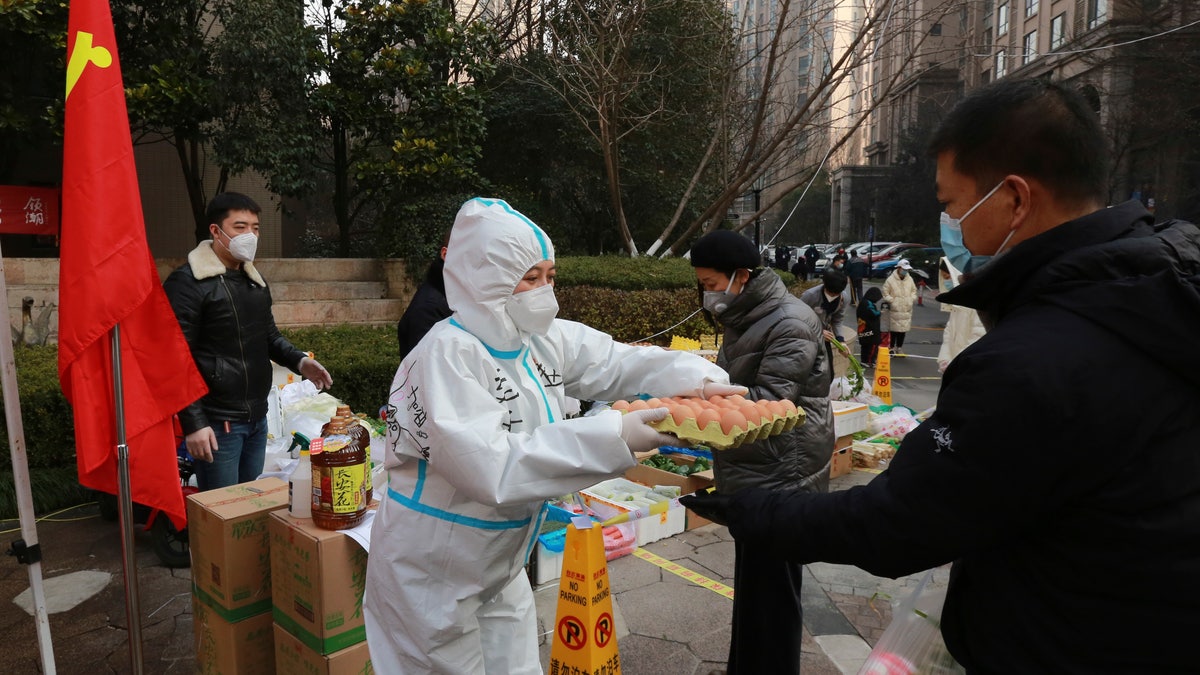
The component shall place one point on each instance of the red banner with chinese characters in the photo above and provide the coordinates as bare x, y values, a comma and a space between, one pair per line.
29, 210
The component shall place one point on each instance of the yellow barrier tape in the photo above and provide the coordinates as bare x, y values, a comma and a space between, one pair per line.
677, 569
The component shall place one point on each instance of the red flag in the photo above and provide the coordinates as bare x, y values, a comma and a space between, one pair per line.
106, 277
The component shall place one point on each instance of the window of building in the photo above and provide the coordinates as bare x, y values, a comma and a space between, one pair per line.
1002, 18
1058, 31
985, 77
1030, 45
935, 29
1001, 64
1097, 12
1031, 8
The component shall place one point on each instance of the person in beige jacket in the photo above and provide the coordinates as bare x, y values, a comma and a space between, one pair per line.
899, 294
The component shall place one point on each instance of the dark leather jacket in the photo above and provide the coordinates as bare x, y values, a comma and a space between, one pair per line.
226, 318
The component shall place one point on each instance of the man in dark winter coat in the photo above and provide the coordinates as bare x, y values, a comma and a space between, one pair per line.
1060, 472
428, 306
224, 308
772, 346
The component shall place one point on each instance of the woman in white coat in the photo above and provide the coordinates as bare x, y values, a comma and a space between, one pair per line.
477, 441
900, 293
963, 326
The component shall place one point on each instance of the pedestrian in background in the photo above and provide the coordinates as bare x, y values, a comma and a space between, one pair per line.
771, 345
963, 326
1069, 555
224, 308
856, 271
427, 307
869, 333
899, 295
829, 301
811, 256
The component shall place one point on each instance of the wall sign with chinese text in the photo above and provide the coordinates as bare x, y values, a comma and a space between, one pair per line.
29, 210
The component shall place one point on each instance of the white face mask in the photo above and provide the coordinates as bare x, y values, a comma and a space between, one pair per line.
533, 311
242, 247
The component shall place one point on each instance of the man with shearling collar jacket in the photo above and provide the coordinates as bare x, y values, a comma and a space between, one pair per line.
1060, 472
224, 308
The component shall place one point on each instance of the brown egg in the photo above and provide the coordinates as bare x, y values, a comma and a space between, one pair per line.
654, 403
681, 412
731, 420
788, 406
736, 398
751, 412
638, 404
707, 417
620, 405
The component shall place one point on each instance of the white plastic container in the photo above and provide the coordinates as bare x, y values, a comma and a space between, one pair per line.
300, 488
849, 417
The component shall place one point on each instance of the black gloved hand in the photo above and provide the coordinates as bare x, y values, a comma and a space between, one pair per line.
712, 505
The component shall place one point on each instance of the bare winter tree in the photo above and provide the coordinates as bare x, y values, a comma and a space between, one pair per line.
780, 129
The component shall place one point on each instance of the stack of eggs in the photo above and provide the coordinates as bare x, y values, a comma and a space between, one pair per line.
721, 422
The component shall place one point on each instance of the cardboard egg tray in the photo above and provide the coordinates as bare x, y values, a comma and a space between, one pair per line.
713, 436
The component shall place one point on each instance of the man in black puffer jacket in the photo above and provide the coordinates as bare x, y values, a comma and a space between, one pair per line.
1060, 472
224, 308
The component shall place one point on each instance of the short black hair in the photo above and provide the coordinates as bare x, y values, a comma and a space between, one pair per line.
873, 294
220, 206
1028, 127
834, 280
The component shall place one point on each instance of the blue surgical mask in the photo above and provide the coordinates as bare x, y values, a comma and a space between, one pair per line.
716, 302
952, 239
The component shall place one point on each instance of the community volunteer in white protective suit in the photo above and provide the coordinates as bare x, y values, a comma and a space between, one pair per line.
477, 442
963, 326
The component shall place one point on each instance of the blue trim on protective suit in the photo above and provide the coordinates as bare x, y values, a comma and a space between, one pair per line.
494, 352
545, 401
459, 519
537, 231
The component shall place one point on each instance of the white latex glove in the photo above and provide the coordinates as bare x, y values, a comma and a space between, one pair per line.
639, 435
315, 373
718, 389
201, 444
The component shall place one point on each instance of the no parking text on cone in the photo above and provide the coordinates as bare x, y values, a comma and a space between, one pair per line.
883, 376
585, 638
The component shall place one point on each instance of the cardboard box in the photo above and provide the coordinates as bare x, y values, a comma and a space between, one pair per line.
293, 657
318, 577
849, 417
841, 463
243, 647
648, 529
648, 475
231, 561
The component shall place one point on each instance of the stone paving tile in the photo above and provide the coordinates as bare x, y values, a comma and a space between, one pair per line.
657, 657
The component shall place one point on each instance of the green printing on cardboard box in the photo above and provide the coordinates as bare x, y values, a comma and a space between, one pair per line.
249, 528
334, 620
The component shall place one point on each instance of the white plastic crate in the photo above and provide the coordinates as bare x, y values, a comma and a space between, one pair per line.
849, 417
649, 529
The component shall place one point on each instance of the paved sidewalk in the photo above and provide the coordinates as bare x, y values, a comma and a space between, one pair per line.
666, 625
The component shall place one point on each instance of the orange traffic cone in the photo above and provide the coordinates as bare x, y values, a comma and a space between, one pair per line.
883, 376
585, 639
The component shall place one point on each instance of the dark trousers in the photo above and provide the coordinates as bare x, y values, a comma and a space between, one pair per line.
766, 614
897, 340
856, 289
869, 347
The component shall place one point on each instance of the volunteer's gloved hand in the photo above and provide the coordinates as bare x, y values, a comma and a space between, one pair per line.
718, 389
711, 505
315, 373
639, 435
201, 444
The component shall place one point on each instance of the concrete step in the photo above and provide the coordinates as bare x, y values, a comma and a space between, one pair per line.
332, 313
295, 291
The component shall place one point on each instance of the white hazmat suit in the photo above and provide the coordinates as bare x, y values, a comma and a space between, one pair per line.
477, 441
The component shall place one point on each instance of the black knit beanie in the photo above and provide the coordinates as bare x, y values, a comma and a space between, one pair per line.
725, 250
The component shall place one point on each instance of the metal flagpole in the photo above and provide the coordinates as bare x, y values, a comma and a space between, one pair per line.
133, 608
27, 550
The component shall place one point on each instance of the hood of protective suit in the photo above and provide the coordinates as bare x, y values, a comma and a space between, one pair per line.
492, 246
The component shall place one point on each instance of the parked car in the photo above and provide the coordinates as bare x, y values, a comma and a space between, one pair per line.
863, 248
924, 261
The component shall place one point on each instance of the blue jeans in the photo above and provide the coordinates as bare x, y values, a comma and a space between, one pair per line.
240, 454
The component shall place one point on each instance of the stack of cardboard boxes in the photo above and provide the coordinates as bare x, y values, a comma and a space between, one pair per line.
231, 576
272, 593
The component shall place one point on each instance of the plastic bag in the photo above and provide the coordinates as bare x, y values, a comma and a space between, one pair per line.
895, 423
913, 640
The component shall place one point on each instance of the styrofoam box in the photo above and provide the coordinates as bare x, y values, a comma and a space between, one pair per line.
849, 417
649, 529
